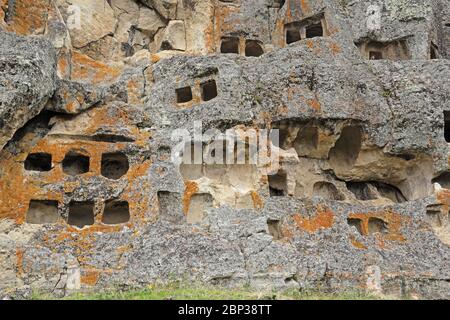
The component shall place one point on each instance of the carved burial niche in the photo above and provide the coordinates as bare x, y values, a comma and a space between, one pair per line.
116, 212
81, 213
38, 162
184, 95
230, 45
75, 163
114, 165
42, 212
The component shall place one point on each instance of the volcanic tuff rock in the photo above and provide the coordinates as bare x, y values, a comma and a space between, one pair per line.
27, 81
92, 93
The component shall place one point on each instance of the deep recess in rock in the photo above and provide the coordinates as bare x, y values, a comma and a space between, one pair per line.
278, 184
81, 213
390, 192
116, 212
443, 180
114, 165
292, 32
357, 223
447, 126
38, 162
184, 95
361, 190
377, 225
328, 191
253, 48
346, 150
274, 228
391, 50
75, 163
209, 90
230, 45
315, 30
42, 212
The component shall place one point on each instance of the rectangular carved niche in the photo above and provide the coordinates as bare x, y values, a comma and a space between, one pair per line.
42, 212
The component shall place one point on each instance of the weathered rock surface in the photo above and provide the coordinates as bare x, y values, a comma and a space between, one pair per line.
355, 194
27, 81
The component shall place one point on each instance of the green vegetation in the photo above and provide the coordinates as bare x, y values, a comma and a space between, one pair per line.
177, 291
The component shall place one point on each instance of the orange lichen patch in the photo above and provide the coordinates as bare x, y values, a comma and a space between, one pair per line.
357, 244
155, 58
306, 8
19, 186
323, 219
313, 46
335, 48
191, 188
257, 201
30, 17
282, 110
444, 198
89, 277
392, 219
19, 261
133, 90
63, 64
87, 69
314, 104
208, 33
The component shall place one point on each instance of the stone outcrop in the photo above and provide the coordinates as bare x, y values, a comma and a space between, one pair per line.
98, 188
27, 81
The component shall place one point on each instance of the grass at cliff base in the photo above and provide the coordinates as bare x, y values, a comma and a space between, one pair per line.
185, 292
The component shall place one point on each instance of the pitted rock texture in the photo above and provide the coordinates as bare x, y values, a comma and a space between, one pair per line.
355, 194
27, 81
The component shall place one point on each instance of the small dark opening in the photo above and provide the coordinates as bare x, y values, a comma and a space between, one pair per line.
165, 45
447, 125
116, 212
278, 184
375, 55
209, 90
114, 165
390, 192
230, 45
75, 163
377, 225
328, 191
314, 31
292, 35
81, 214
357, 223
278, 3
184, 95
42, 211
361, 190
433, 52
274, 229
443, 180
38, 162
253, 49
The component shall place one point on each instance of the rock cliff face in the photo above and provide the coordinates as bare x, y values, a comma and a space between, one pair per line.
337, 116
